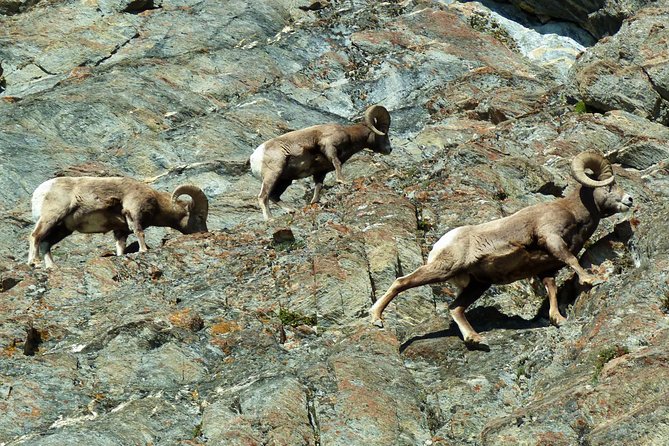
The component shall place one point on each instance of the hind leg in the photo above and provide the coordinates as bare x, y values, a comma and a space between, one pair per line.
275, 195
120, 237
48, 258
318, 186
268, 183
467, 296
271, 172
33, 248
44, 240
424, 275
41, 231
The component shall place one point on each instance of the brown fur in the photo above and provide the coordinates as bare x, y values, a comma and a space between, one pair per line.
312, 151
535, 241
101, 204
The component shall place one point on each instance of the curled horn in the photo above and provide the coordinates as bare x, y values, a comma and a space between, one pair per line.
200, 202
377, 117
600, 166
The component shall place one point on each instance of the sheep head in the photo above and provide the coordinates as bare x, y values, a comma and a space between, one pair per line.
377, 119
195, 219
595, 173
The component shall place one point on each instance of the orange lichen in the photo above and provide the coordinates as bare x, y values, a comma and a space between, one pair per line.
224, 327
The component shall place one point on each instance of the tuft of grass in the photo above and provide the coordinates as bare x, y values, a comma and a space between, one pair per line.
289, 246
197, 431
580, 108
424, 225
293, 318
606, 355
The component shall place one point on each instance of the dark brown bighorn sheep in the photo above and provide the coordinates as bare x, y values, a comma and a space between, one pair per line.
535, 241
315, 151
64, 205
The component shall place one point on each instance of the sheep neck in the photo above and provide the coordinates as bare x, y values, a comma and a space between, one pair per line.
583, 206
168, 213
361, 137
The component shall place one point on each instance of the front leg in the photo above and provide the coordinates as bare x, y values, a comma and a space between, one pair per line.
136, 228
554, 312
330, 153
558, 249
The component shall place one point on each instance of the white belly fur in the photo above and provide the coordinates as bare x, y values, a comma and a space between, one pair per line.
38, 197
257, 159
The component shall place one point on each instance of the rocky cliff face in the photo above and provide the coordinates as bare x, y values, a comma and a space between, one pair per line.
232, 337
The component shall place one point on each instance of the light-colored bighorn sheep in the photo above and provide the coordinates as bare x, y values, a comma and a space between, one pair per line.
315, 151
535, 241
63, 205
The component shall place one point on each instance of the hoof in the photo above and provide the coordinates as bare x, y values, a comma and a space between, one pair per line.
590, 280
557, 320
477, 343
377, 322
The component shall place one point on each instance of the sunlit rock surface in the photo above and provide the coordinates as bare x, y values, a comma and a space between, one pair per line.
233, 338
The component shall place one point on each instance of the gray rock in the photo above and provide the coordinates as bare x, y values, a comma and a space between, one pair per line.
628, 71
600, 17
231, 338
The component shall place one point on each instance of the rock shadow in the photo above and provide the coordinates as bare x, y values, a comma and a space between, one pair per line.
563, 28
483, 319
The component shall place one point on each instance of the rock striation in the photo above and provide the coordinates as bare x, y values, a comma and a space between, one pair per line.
257, 333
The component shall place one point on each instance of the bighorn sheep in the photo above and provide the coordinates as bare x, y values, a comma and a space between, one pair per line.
63, 205
535, 241
315, 151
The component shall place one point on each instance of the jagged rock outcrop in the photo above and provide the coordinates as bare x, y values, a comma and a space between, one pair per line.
247, 336
600, 17
629, 71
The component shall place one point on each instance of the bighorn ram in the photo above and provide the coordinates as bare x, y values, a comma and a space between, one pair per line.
535, 241
315, 151
61, 206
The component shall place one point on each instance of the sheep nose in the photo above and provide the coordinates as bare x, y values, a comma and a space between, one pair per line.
627, 200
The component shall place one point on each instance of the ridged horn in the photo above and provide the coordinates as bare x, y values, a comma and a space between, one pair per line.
376, 118
200, 202
600, 166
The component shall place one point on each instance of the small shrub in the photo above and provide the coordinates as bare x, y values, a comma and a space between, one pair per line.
293, 319
580, 107
289, 246
607, 355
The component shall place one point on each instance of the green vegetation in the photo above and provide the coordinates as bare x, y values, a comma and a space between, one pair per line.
424, 225
197, 431
293, 318
580, 108
289, 246
605, 356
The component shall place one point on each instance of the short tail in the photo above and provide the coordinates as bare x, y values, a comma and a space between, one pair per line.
256, 160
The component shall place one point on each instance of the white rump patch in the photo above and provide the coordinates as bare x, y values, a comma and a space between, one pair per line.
256, 160
38, 197
445, 241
